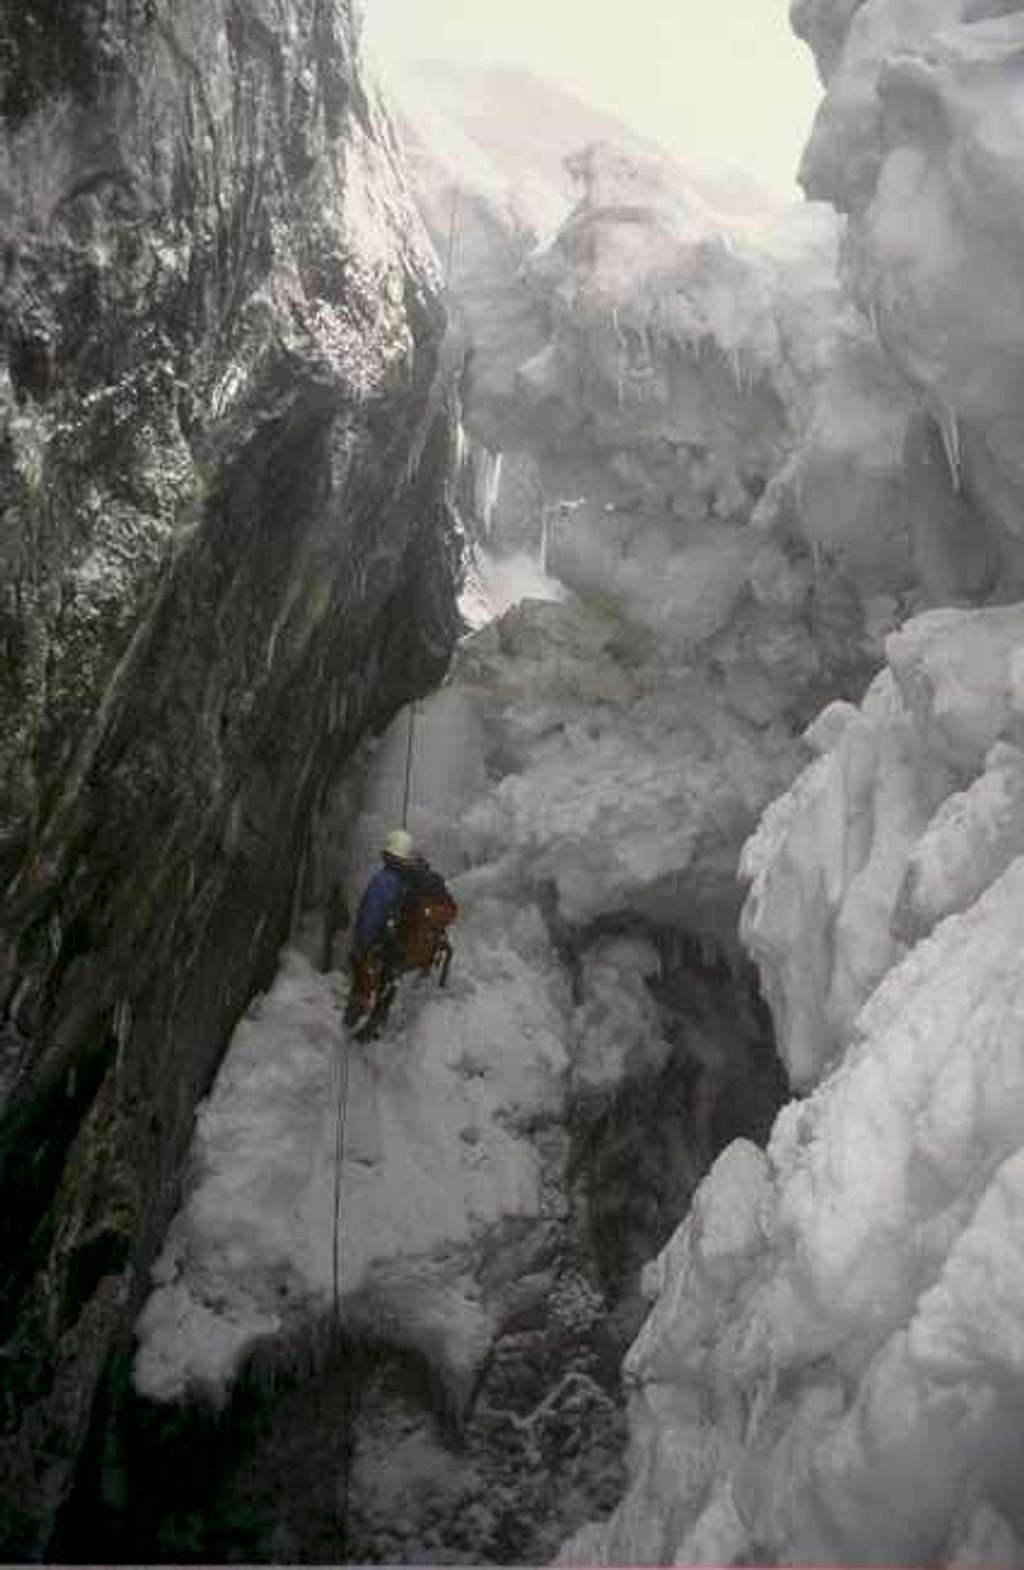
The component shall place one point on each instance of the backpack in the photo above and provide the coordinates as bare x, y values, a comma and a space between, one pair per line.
427, 913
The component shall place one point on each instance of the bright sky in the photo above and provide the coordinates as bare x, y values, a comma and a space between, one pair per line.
722, 81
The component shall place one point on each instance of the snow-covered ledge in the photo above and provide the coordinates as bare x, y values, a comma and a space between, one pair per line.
437, 1149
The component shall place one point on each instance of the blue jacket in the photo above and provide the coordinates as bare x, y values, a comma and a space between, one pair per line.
382, 899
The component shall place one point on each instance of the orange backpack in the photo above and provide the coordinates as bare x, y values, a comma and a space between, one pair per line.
422, 927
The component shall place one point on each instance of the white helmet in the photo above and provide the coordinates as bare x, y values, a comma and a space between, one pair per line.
399, 843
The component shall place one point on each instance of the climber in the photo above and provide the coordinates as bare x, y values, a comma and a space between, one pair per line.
400, 925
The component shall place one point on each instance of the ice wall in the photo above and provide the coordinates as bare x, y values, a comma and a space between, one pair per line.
920, 142
831, 1371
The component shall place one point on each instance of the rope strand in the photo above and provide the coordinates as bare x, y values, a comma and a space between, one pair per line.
408, 766
342, 1110
339, 1161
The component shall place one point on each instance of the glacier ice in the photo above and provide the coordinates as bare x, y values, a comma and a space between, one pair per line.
854, 1393
920, 141
836, 1326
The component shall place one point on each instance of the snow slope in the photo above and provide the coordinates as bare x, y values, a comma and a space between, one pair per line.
436, 1150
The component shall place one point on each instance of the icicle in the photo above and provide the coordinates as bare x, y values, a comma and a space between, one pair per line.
460, 446
764, 1397
620, 338
491, 490
122, 1021
545, 525
873, 317
121, 1025
734, 365
949, 429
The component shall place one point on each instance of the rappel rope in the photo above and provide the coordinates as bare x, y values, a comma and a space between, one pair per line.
339, 1163
408, 765
453, 230
342, 1111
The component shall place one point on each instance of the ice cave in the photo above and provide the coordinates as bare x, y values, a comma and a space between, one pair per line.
428, 447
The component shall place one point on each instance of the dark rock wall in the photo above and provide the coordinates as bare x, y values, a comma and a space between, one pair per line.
225, 555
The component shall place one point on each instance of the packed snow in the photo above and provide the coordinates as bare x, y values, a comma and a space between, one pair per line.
436, 1149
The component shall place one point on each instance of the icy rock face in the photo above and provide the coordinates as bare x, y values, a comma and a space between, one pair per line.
832, 1368
221, 458
919, 141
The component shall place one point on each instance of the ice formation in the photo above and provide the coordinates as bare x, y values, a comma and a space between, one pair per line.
920, 141
833, 1368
